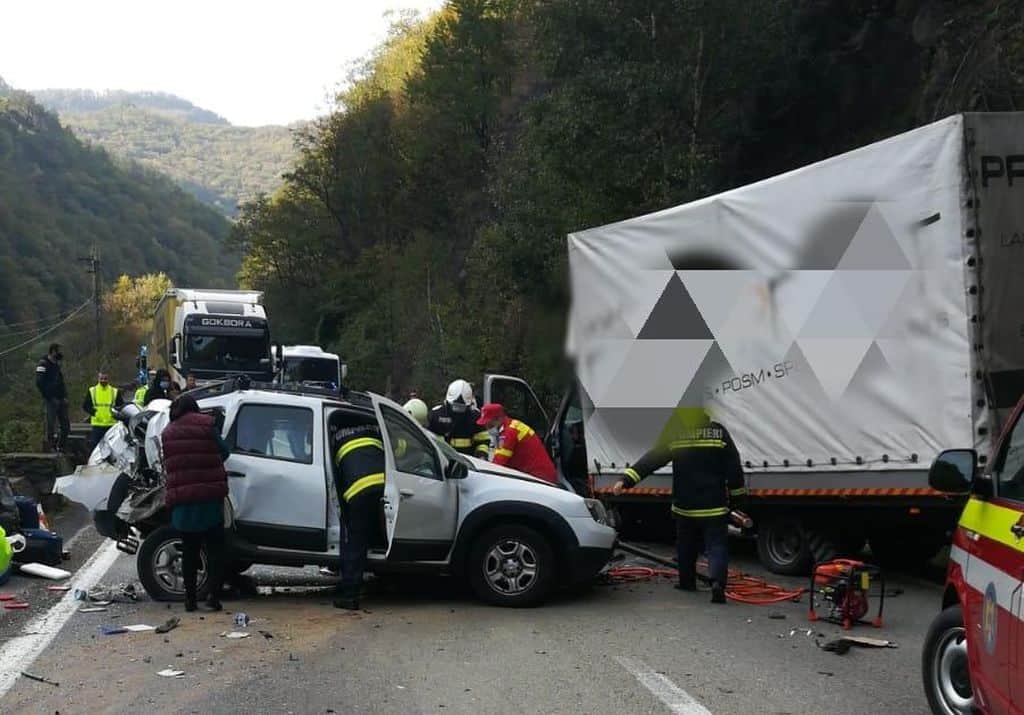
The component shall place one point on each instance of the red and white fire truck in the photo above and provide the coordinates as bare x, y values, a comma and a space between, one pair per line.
974, 653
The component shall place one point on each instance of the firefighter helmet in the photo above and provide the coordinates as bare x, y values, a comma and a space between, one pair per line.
460, 396
417, 409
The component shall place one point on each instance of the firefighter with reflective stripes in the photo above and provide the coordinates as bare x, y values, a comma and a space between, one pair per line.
707, 480
455, 419
359, 475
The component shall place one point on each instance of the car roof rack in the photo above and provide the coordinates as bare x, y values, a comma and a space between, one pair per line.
235, 383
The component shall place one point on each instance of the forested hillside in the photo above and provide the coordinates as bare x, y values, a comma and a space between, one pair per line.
59, 197
81, 101
216, 162
422, 231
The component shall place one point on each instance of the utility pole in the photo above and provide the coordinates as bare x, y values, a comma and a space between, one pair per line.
93, 262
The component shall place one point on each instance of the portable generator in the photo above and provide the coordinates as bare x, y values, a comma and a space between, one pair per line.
845, 587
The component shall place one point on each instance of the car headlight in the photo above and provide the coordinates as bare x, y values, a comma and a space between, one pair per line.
597, 510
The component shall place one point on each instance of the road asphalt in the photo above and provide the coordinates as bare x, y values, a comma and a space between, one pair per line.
426, 646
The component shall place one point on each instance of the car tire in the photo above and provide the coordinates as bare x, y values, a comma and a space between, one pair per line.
511, 565
944, 666
783, 547
159, 566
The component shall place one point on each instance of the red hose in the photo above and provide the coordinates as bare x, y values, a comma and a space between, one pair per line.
740, 587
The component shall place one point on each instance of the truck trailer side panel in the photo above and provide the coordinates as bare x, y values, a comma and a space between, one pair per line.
822, 315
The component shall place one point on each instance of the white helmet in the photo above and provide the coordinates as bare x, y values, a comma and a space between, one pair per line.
417, 409
460, 396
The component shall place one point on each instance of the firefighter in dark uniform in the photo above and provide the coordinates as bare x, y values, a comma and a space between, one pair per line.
707, 481
455, 419
50, 383
359, 475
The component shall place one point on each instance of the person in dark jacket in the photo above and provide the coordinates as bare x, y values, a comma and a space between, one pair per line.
158, 389
359, 475
193, 456
455, 419
707, 480
50, 383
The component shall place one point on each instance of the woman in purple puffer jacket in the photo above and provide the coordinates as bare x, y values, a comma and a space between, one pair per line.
193, 456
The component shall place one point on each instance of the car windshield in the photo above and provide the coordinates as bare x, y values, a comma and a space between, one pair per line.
310, 370
449, 452
226, 352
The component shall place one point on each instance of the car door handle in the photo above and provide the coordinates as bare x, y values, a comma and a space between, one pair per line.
406, 493
234, 474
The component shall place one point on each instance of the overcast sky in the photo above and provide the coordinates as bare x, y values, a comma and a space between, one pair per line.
252, 61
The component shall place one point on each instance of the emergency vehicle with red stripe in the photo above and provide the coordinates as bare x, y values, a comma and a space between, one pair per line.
974, 653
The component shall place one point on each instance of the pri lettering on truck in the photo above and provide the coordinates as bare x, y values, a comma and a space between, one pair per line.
998, 167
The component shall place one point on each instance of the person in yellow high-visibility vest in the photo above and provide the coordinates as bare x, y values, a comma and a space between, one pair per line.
99, 404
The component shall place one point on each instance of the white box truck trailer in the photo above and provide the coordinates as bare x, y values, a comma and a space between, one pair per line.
846, 321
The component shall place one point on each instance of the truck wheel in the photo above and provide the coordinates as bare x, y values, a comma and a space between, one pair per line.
782, 546
159, 566
944, 666
511, 565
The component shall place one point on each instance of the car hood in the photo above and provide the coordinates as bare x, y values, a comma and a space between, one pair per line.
485, 467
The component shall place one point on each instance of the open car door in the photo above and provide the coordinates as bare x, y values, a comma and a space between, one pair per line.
425, 532
519, 400
392, 498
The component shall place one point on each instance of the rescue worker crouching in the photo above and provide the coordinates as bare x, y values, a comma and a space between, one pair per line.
99, 403
455, 419
359, 475
707, 480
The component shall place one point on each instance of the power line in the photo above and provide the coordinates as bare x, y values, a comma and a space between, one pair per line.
36, 337
38, 321
29, 331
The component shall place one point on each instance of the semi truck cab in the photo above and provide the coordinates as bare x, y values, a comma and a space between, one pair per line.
212, 334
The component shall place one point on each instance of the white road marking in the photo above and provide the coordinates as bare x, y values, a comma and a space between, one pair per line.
675, 698
20, 652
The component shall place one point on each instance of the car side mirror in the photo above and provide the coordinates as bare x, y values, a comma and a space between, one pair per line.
954, 471
455, 470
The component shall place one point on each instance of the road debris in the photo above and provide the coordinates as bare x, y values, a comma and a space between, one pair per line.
58, 588
40, 679
105, 595
777, 616
139, 628
44, 571
92, 609
113, 630
15, 605
169, 625
266, 634
6, 596
241, 619
842, 645
171, 673
234, 635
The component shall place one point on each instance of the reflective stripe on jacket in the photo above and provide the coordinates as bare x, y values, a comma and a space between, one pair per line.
520, 448
359, 462
707, 476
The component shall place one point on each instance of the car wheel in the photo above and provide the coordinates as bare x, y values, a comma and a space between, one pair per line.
511, 565
159, 565
947, 676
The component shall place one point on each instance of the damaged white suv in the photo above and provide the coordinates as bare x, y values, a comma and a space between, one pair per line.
512, 537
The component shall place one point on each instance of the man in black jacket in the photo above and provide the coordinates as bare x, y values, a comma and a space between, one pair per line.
707, 480
50, 383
